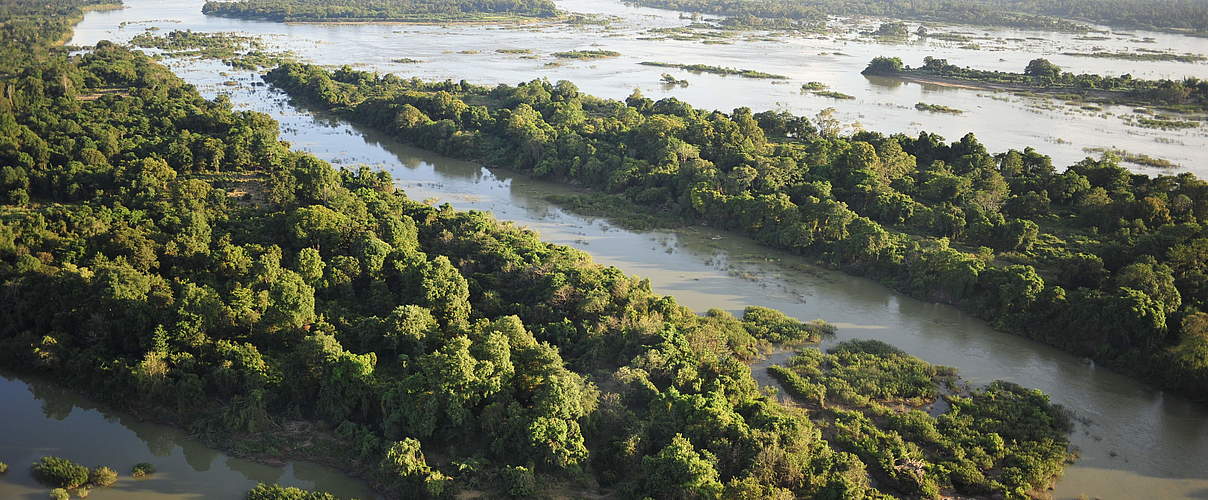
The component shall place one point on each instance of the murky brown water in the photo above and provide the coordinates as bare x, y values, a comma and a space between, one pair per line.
1136, 442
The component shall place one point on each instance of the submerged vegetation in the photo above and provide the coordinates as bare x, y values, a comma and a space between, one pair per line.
236, 50
833, 94
716, 70
1093, 259
937, 108
586, 54
668, 79
1141, 56
373, 10
1134, 158
1172, 15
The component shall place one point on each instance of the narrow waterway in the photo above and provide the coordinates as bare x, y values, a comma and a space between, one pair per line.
1135, 442
41, 418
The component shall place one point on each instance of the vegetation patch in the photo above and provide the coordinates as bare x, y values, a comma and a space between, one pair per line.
937, 108
586, 54
833, 94
1141, 56
1134, 158
234, 49
717, 70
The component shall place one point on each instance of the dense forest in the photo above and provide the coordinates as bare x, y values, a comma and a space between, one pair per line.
1181, 15
1189, 94
170, 255
1094, 259
377, 10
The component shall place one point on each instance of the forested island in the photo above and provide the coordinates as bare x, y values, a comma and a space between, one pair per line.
379, 11
1187, 95
1171, 15
169, 255
1096, 260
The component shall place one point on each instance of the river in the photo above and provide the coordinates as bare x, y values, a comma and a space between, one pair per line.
1000, 120
41, 418
1134, 442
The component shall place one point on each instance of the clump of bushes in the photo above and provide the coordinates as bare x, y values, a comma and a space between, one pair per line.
518, 481
60, 472
102, 477
142, 469
264, 491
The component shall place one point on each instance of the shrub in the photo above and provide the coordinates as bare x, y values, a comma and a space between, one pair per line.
3, 467
142, 469
102, 477
59, 494
60, 472
518, 482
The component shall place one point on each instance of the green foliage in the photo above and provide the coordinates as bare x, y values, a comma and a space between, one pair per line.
716, 70
60, 472
264, 491
407, 328
680, 471
586, 54
404, 470
1001, 439
883, 66
1001, 235
142, 469
518, 482
59, 494
102, 477
1186, 94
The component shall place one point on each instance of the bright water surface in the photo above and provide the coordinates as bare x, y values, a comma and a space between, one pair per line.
1135, 442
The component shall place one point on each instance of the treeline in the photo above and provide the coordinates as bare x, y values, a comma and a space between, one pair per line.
171, 256
1180, 15
1188, 94
1096, 260
376, 10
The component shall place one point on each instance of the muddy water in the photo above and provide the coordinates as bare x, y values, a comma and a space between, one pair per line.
1135, 442
835, 58
42, 419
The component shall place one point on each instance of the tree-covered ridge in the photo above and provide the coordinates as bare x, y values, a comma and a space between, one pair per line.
379, 10
1096, 260
170, 255
1188, 94
1178, 15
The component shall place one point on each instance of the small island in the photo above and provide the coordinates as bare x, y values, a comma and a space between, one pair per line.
1043, 77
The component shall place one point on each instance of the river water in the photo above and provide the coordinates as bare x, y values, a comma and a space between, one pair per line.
836, 58
40, 418
1134, 442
